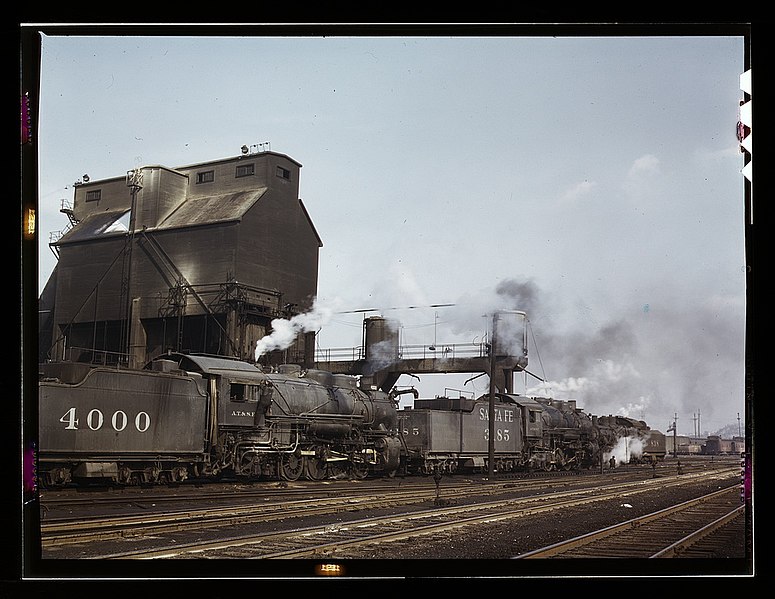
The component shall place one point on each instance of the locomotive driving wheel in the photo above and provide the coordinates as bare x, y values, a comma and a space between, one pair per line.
359, 470
290, 466
315, 468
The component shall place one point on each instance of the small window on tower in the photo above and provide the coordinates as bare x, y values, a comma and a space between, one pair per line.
94, 196
283, 172
245, 170
205, 177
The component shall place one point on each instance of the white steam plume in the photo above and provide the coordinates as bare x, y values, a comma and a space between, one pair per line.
626, 449
284, 332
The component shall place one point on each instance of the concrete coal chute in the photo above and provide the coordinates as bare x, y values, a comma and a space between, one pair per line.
197, 258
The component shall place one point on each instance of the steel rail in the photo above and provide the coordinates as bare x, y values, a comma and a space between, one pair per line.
315, 540
635, 525
56, 533
682, 545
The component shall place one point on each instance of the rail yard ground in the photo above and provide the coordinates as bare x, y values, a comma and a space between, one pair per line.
510, 539
485, 549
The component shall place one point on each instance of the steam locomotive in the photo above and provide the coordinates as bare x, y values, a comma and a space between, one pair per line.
530, 433
203, 417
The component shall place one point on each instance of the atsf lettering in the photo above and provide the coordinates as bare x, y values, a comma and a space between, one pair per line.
242, 413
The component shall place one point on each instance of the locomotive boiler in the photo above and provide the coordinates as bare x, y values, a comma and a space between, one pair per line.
203, 416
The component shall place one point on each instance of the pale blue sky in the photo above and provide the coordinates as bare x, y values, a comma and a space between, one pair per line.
603, 171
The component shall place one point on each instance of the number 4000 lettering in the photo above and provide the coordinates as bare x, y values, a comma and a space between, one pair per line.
95, 420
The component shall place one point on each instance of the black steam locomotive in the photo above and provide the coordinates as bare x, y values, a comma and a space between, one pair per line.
197, 416
530, 433
202, 416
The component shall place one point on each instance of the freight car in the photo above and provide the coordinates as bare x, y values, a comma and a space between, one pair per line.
715, 445
203, 416
531, 433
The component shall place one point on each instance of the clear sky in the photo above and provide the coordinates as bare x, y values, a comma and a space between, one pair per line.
593, 182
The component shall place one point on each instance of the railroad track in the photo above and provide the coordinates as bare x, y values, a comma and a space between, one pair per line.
57, 533
278, 505
55, 498
673, 532
346, 539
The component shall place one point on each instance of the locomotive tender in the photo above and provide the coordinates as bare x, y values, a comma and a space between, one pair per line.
198, 416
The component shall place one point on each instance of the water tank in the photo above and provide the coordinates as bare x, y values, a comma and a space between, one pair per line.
510, 333
380, 340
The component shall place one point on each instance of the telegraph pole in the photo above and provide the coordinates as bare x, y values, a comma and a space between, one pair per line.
675, 440
491, 409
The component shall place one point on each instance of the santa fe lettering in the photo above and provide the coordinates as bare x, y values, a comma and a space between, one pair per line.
500, 415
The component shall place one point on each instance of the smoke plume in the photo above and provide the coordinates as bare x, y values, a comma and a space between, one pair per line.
675, 355
284, 332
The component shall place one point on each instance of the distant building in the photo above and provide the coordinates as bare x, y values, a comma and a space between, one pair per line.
197, 258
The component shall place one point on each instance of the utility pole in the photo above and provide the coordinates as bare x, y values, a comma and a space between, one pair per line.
491, 409
675, 440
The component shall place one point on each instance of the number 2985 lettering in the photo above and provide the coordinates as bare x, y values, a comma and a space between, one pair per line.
95, 419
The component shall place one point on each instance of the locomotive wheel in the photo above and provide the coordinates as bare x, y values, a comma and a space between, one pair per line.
290, 466
359, 471
314, 468
124, 475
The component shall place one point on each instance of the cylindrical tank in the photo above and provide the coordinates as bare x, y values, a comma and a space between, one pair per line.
510, 333
380, 341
